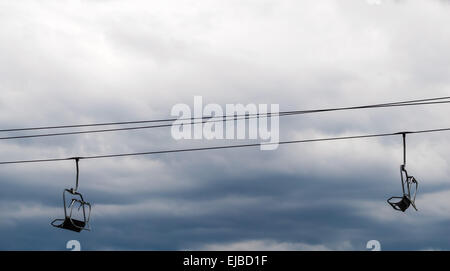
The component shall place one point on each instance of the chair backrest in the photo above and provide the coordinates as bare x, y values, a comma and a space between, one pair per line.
77, 201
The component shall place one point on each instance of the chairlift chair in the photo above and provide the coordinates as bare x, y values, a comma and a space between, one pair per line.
76, 202
409, 187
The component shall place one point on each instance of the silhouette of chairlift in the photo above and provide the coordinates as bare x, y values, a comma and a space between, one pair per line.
409, 187
77, 202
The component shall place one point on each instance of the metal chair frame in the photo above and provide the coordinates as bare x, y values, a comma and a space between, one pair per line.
68, 222
409, 186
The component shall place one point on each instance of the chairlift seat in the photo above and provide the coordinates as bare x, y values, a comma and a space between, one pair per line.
409, 186
70, 224
401, 205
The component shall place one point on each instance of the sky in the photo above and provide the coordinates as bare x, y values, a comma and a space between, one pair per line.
71, 62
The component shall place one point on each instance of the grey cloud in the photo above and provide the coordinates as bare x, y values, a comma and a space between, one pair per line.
86, 61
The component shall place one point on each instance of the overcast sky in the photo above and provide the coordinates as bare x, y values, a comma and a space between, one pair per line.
70, 62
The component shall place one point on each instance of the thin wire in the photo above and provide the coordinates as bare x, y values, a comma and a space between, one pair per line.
116, 129
225, 118
227, 146
174, 119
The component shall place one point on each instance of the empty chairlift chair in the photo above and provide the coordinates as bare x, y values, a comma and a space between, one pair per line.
409, 187
77, 212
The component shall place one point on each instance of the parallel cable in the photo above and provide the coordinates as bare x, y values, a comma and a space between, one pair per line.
227, 146
400, 103
223, 119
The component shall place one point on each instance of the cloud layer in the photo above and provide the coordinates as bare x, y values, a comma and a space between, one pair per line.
93, 61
